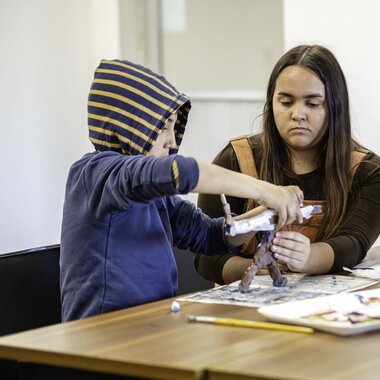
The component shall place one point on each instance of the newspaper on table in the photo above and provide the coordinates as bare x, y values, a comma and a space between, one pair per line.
262, 292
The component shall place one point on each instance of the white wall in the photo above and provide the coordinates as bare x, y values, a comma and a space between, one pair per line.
351, 29
213, 122
49, 49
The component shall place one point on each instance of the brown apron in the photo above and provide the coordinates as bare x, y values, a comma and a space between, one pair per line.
310, 227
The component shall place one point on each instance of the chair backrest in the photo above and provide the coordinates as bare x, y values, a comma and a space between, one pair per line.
29, 289
188, 278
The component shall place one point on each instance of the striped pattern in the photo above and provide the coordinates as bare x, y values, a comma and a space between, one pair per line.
175, 174
128, 106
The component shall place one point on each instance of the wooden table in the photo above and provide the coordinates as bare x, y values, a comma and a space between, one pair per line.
314, 357
152, 342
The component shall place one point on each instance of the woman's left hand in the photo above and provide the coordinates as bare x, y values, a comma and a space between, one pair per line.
293, 249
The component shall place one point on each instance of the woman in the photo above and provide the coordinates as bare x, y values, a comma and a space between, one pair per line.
306, 141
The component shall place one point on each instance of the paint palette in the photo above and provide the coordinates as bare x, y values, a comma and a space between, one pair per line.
341, 314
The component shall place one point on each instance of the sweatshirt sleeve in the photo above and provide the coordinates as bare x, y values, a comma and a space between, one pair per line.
109, 181
194, 230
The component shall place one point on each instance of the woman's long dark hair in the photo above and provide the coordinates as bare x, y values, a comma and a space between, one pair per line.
336, 145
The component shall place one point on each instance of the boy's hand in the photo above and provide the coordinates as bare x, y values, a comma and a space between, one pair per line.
286, 200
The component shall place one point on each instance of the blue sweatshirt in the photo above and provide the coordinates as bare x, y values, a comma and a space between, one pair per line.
121, 215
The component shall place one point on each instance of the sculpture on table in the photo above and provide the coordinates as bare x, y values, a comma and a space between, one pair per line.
266, 223
263, 258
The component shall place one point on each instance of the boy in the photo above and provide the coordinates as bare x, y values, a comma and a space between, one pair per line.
122, 216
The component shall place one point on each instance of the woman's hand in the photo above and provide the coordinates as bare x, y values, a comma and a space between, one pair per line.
293, 249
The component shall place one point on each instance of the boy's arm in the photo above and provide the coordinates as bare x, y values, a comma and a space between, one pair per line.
285, 200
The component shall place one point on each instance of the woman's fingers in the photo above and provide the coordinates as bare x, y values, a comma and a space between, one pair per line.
292, 248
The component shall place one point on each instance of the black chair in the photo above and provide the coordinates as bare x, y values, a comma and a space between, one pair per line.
29, 289
188, 278
29, 286
29, 295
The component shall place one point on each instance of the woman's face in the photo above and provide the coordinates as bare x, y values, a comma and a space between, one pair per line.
299, 108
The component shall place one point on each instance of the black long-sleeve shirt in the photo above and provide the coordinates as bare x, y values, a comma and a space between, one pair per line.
359, 230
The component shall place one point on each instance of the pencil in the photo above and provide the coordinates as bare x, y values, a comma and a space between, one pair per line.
247, 323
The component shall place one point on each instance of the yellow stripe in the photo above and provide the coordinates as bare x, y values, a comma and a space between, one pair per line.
101, 142
175, 172
135, 91
128, 101
171, 96
124, 113
120, 124
121, 138
138, 71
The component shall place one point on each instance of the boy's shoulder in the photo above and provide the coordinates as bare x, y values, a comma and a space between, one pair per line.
102, 156
98, 160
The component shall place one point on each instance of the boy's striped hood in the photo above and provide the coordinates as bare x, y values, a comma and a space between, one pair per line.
128, 107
